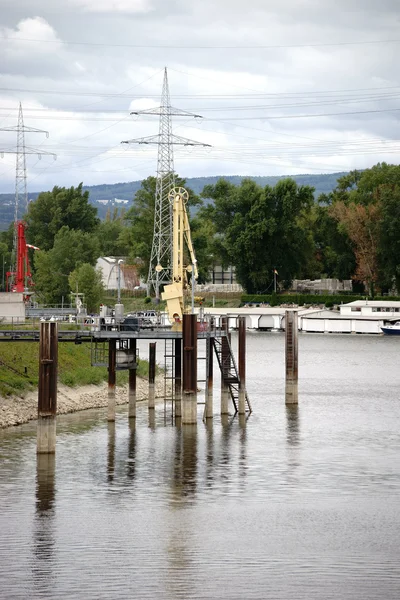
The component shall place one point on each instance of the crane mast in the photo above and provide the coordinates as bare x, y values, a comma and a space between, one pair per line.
174, 292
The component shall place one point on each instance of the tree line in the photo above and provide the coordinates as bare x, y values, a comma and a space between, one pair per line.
351, 233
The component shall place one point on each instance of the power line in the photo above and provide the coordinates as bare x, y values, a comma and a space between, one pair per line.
256, 93
208, 47
254, 118
318, 102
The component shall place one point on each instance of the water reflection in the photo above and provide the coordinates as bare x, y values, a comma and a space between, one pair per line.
43, 530
179, 561
293, 444
152, 419
292, 425
209, 425
131, 468
185, 463
189, 459
225, 456
242, 450
111, 451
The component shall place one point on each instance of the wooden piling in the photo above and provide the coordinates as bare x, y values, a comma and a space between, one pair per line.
178, 376
189, 379
112, 356
132, 381
291, 356
152, 374
242, 365
47, 394
225, 360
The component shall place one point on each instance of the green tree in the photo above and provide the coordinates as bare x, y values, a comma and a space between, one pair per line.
62, 207
113, 237
333, 247
366, 208
71, 249
262, 229
389, 239
87, 280
139, 235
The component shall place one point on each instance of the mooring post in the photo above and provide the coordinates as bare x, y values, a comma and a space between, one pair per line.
47, 395
208, 411
291, 354
112, 357
178, 377
152, 374
189, 379
225, 361
132, 381
242, 365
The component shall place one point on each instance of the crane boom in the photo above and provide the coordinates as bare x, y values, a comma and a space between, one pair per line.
173, 293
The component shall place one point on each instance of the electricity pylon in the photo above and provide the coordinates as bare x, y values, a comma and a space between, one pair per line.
160, 266
21, 192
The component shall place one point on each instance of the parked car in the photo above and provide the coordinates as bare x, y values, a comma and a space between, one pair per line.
130, 324
147, 318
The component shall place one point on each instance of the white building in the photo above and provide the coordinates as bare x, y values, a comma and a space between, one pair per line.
329, 286
374, 308
109, 273
12, 307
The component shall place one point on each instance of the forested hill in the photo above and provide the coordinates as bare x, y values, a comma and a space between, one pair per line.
323, 183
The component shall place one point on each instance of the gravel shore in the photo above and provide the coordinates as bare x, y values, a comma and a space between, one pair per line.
15, 410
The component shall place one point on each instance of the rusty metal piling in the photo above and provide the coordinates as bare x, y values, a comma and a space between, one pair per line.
112, 357
208, 411
242, 365
132, 381
47, 396
291, 356
152, 374
189, 379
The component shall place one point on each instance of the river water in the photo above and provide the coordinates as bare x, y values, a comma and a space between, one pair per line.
294, 503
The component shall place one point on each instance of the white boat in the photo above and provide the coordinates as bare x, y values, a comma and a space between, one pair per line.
392, 329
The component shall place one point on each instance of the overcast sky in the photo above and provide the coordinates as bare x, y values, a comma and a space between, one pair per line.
295, 86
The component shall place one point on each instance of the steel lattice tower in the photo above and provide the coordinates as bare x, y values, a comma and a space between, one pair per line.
21, 191
160, 266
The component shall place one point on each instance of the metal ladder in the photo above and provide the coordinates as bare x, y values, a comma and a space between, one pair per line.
169, 371
230, 373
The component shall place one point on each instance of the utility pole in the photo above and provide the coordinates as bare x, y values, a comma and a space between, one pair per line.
21, 193
160, 266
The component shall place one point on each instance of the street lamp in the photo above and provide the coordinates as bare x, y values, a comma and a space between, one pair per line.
119, 280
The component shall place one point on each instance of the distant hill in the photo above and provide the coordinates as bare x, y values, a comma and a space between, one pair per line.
323, 183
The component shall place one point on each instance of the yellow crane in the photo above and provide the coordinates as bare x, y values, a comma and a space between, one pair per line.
173, 293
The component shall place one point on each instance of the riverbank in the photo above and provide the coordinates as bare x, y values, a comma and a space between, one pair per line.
16, 410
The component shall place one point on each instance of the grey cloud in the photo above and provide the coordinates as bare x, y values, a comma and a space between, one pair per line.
106, 69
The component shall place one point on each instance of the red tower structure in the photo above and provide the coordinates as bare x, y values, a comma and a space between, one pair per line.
21, 279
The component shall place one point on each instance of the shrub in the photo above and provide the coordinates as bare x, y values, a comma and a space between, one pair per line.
147, 300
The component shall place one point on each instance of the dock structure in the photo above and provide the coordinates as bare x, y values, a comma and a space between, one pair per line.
116, 349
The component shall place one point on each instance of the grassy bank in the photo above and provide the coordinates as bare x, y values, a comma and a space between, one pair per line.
19, 367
